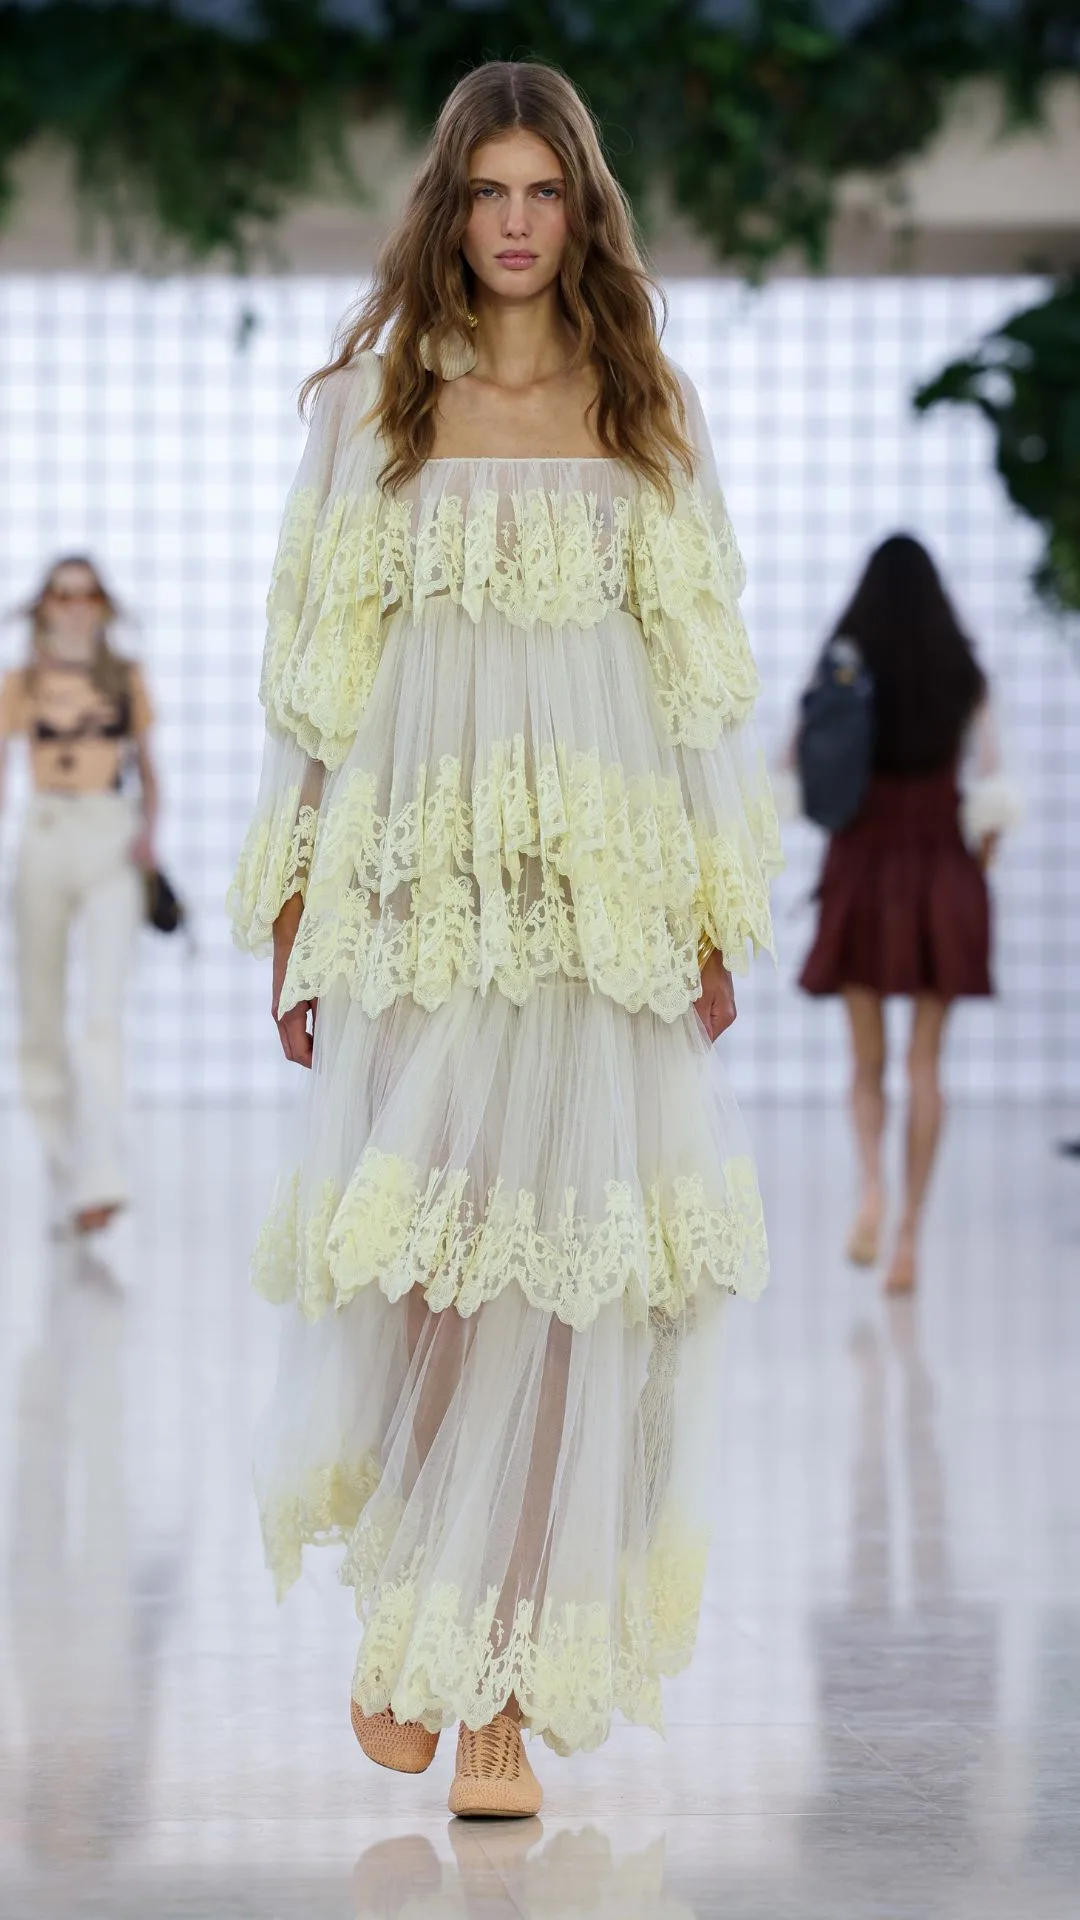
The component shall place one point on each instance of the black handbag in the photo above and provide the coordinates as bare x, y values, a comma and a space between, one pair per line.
165, 911
835, 746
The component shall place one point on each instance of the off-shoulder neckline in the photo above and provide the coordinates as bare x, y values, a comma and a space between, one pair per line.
524, 460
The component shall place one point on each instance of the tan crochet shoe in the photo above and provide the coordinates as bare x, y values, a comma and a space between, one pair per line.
492, 1775
403, 1745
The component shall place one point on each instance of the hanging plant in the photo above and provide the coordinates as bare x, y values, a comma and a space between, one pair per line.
1024, 379
180, 132
202, 129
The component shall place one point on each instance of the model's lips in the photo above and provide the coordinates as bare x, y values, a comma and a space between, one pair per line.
511, 259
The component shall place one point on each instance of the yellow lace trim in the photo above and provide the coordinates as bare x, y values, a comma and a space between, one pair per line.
535, 556
732, 903
577, 870
687, 574
324, 617
570, 1666
323, 1513
274, 864
395, 1227
423, 1655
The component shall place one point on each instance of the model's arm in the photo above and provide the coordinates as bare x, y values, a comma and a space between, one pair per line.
322, 624
991, 805
307, 718
296, 1027
295, 1031
706, 685
9, 721
143, 850
715, 1006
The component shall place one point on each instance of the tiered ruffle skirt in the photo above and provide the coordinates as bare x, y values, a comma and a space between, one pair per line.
523, 1195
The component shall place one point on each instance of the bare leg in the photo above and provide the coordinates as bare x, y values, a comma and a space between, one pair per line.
925, 1109
527, 1570
867, 1023
437, 1346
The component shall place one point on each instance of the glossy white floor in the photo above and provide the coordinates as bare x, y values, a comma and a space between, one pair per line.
883, 1717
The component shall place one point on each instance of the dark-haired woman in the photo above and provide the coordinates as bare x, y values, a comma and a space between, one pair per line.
86, 714
511, 836
903, 905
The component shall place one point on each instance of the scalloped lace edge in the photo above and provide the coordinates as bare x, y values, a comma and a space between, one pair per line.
422, 1654
274, 864
570, 1666
396, 1228
580, 871
558, 559
323, 1513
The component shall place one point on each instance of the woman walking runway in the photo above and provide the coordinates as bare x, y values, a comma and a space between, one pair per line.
904, 906
511, 837
86, 714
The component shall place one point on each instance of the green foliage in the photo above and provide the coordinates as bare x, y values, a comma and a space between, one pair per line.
1025, 380
174, 126
750, 115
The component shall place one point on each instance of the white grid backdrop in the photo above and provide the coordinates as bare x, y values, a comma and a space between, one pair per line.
154, 425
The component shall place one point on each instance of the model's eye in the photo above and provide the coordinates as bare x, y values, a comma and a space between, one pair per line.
481, 193
549, 193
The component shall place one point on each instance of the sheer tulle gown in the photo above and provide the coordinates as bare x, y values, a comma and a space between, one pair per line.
508, 767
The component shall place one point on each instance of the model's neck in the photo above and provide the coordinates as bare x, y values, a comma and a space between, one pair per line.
69, 649
521, 343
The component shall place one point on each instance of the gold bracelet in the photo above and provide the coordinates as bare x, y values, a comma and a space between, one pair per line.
705, 950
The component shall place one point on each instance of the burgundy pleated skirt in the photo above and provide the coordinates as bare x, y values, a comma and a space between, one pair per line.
903, 905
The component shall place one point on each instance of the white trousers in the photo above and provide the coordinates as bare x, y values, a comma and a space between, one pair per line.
74, 868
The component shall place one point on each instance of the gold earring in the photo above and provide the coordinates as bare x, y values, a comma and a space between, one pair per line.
471, 318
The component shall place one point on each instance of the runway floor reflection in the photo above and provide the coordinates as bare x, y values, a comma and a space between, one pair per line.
883, 1717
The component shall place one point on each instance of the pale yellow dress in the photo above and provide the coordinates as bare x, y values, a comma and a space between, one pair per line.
508, 765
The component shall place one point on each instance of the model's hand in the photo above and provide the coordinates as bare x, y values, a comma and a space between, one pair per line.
988, 847
297, 1038
297, 1042
715, 1005
141, 850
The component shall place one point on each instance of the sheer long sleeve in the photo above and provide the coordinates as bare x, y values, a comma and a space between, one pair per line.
707, 684
311, 715
991, 802
276, 856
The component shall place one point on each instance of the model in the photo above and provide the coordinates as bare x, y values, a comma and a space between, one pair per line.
88, 837
510, 839
904, 906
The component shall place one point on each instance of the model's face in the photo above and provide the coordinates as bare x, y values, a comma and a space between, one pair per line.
517, 229
73, 605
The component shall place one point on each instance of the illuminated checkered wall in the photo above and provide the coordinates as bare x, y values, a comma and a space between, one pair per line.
155, 424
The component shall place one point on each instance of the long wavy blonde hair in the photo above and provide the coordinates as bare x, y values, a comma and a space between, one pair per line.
422, 284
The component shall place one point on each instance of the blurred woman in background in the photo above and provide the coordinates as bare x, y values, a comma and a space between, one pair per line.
86, 714
903, 901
